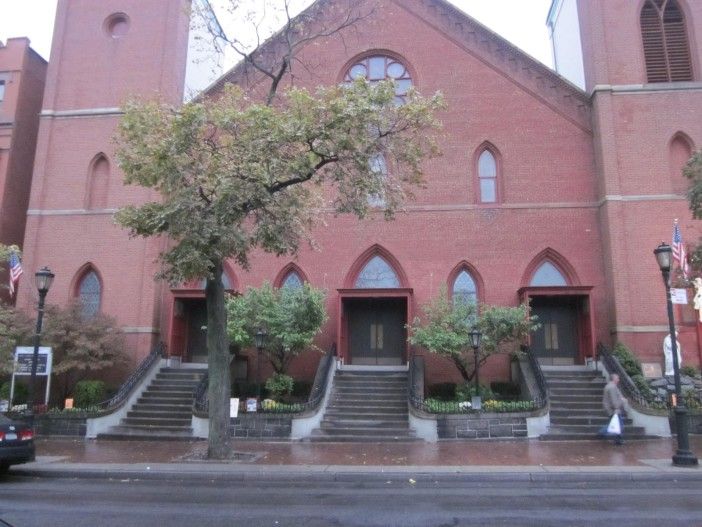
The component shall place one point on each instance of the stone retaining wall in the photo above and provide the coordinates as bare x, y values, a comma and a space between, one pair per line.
261, 427
60, 425
482, 426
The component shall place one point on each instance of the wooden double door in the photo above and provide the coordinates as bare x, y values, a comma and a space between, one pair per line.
376, 330
556, 340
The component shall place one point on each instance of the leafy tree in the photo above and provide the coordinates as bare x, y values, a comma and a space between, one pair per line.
16, 329
693, 171
235, 175
446, 325
292, 317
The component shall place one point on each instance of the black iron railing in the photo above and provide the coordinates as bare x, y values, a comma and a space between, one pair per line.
540, 398
319, 388
626, 385
133, 380
437, 406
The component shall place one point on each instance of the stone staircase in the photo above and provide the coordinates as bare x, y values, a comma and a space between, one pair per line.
164, 410
366, 405
575, 395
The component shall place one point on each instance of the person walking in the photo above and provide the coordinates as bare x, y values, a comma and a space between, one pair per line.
614, 403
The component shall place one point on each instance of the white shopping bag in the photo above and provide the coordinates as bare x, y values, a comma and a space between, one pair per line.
614, 427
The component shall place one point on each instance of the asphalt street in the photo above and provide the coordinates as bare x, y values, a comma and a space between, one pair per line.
396, 501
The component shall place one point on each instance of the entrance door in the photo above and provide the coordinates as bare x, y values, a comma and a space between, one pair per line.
376, 329
555, 342
196, 324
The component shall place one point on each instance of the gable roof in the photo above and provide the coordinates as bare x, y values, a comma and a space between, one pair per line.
487, 46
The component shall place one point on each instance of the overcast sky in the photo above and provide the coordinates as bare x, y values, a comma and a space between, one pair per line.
522, 22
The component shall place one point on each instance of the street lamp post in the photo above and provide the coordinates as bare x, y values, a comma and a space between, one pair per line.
43, 278
260, 344
475, 337
683, 456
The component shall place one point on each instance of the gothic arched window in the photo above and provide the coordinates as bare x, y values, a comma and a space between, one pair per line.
89, 294
665, 42
464, 289
377, 274
487, 176
547, 275
376, 68
292, 280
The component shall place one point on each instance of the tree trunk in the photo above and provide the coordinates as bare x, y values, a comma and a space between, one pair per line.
219, 389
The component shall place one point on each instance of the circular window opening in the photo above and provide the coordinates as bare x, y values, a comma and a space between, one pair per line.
117, 25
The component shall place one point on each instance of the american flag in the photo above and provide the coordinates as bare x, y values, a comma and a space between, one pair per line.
679, 250
15, 272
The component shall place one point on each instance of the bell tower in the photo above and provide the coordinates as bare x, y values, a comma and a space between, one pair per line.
641, 67
103, 53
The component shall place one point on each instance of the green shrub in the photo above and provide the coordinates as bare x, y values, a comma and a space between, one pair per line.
643, 387
690, 371
466, 391
443, 390
631, 365
280, 385
507, 406
506, 391
692, 400
88, 393
20, 395
280, 408
436, 406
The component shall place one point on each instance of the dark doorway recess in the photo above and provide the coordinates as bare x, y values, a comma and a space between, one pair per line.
376, 330
555, 342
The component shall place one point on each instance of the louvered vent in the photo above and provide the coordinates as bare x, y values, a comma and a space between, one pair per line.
665, 43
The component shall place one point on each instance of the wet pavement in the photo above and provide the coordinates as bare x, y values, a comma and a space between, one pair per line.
531, 453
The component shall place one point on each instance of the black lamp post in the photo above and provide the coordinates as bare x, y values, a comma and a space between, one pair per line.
260, 344
43, 278
684, 456
475, 337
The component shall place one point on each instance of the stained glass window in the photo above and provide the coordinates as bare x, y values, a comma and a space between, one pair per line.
464, 289
487, 175
89, 294
292, 281
380, 67
377, 274
548, 275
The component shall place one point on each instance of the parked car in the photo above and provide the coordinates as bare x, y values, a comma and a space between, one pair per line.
16, 443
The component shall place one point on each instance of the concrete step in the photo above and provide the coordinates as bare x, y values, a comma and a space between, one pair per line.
160, 398
365, 413
180, 408
131, 434
584, 420
137, 411
350, 422
157, 422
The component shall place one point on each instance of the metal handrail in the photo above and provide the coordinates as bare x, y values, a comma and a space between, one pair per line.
319, 388
540, 399
626, 385
128, 386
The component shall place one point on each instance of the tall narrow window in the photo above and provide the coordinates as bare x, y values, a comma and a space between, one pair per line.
679, 153
89, 292
98, 183
2, 91
377, 274
464, 290
487, 177
291, 281
379, 169
665, 42
548, 275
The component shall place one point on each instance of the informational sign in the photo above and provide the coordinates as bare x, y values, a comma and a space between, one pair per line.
678, 296
476, 402
251, 404
234, 407
651, 370
24, 356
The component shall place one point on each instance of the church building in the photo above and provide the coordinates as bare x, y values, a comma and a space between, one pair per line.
554, 187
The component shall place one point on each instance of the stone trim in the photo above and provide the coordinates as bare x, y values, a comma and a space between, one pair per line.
639, 329
83, 112
71, 212
141, 329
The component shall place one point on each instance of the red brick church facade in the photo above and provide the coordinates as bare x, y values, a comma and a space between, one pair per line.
545, 191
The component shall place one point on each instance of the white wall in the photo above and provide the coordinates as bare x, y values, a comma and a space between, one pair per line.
564, 29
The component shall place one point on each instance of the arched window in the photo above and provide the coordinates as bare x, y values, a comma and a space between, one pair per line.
376, 68
98, 183
679, 153
89, 293
665, 43
547, 275
464, 289
377, 274
292, 280
379, 168
487, 177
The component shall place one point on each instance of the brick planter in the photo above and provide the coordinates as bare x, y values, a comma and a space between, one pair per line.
482, 426
261, 427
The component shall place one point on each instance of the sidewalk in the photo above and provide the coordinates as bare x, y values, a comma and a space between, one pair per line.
467, 460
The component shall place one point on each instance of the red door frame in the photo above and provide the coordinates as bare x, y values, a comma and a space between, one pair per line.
586, 314
342, 324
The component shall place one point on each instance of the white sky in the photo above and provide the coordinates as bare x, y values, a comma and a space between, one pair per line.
522, 22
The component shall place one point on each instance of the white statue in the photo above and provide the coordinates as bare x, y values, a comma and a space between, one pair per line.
697, 300
668, 353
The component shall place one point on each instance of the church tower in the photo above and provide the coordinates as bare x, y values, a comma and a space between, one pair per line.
640, 64
102, 54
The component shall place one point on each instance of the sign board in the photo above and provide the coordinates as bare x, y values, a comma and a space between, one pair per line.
678, 296
251, 404
233, 407
24, 356
476, 402
651, 370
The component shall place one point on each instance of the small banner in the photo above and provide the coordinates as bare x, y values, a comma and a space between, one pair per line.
678, 296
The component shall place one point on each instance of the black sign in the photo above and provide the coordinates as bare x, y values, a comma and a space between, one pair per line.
24, 364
